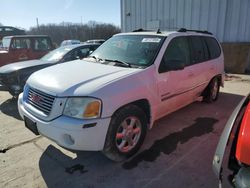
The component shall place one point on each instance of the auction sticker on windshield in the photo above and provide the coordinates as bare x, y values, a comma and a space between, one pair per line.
157, 40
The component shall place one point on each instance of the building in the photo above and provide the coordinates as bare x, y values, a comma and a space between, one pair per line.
228, 20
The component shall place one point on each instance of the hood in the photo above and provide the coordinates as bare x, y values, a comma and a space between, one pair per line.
21, 65
77, 78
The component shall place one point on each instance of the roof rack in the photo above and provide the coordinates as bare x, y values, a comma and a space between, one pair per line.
143, 30
197, 31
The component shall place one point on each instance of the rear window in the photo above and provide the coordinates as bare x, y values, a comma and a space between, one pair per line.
213, 46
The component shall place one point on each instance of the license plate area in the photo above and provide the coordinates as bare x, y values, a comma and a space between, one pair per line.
31, 125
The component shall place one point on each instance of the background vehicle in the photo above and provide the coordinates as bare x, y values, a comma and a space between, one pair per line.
232, 157
110, 101
94, 41
9, 31
70, 42
14, 76
24, 47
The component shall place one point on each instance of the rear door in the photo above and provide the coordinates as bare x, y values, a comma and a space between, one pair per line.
216, 65
199, 64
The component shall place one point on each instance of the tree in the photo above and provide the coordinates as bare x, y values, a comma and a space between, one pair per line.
66, 31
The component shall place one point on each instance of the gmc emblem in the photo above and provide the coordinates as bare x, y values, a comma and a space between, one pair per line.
35, 98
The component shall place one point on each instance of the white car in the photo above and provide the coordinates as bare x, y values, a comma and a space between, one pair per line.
109, 101
70, 42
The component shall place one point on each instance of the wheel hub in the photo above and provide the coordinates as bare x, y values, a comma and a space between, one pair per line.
128, 134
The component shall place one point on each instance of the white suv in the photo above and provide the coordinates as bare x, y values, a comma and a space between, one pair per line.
109, 100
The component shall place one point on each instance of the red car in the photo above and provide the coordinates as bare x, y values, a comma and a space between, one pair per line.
24, 47
232, 157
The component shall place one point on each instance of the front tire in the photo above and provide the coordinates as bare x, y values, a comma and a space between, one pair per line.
126, 133
212, 91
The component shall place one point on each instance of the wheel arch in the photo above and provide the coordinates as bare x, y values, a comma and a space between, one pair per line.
143, 104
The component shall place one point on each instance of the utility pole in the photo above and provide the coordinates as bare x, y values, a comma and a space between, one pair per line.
37, 24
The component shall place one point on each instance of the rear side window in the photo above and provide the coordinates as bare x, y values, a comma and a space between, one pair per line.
42, 44
213, 47
197, 50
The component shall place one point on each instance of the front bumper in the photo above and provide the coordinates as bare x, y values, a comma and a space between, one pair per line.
69, 132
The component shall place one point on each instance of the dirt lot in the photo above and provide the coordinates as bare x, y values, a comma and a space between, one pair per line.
177, 152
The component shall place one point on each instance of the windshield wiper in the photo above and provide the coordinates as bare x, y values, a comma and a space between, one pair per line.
119, 62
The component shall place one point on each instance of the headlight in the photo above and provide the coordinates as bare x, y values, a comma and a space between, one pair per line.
83, 107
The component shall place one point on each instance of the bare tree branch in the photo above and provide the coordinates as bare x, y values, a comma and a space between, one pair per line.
66, 31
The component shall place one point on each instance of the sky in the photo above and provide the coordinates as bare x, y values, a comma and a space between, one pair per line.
23, 13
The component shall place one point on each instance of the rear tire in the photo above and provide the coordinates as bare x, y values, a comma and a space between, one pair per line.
126, 133
211, 93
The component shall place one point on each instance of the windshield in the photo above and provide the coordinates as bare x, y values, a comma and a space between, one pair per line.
139, 50
6, 42
57, 54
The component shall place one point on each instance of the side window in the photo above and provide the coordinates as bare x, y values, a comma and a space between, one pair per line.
42, 44
197, 50
93, 48
76, 54
69, 56
20, 43
177, 55
84, 52
205, 48
213, 46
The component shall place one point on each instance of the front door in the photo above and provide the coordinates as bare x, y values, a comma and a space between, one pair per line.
175, 77
20, 49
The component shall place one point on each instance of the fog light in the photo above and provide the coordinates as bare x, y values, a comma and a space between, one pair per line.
68, 139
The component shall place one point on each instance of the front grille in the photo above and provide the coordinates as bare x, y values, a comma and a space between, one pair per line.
40, 100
